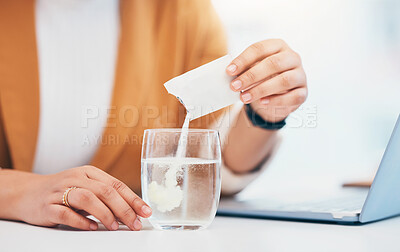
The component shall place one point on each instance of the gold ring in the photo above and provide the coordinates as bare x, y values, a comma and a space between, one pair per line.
65, 196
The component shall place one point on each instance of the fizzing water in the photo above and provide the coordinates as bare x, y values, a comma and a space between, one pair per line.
182, 191
169, 194
179, 189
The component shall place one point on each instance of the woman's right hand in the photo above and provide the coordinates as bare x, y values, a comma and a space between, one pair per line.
39, 200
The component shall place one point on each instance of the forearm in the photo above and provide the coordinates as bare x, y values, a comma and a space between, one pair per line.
247, 146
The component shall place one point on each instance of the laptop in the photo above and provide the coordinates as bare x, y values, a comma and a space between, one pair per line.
355, 206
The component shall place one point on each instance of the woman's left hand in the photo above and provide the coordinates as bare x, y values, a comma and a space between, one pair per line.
271, 78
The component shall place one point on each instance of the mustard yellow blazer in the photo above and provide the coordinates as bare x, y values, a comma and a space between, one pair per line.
159, 40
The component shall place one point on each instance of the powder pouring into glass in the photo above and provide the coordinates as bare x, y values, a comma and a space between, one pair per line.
181, 178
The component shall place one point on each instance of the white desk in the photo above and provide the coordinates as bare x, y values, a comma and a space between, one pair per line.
225, 234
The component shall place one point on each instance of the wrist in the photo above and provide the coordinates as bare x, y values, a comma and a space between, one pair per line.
258, 121
8, 195
14, 186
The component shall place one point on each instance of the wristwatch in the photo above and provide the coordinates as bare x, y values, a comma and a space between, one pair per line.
258, 121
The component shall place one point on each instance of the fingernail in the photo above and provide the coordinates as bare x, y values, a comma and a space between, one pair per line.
137, 225
264, 101
246, 97
231, 68
146, 210
237, 84
93, 226
115, 225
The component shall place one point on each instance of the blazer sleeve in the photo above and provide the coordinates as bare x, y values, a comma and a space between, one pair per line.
214, 42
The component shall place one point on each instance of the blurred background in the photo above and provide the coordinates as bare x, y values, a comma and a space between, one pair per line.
351, 54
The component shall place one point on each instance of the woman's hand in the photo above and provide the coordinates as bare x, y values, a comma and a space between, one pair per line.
271, 78
97, 193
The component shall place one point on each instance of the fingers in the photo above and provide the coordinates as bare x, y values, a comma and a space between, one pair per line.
266, 69
254, 53
114, 202
87, 201
138, 205
289, 101
277, 107
279, 84
66, 216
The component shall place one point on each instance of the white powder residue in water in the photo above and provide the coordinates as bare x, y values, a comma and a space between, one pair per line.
169, 196
165, 197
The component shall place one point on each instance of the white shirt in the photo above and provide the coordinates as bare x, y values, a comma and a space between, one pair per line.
77, 42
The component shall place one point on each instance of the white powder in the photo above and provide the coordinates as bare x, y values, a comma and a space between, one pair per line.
169, 196
166, 198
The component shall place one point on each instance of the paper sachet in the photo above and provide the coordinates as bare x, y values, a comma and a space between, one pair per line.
205, 89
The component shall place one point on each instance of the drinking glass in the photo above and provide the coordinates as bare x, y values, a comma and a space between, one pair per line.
181, 178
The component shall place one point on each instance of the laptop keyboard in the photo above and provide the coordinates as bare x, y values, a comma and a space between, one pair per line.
342, 204
350, 204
